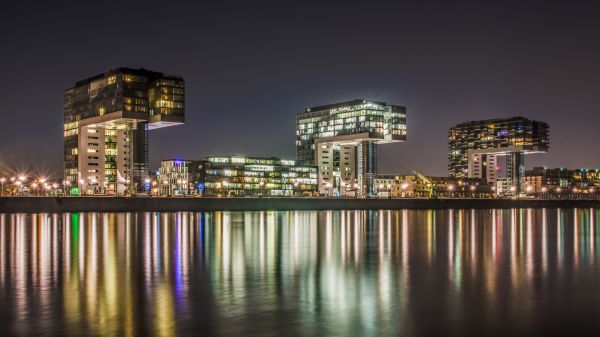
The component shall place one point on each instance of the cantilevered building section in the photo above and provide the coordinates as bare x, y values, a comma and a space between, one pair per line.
475, 148
342, 138
106, 123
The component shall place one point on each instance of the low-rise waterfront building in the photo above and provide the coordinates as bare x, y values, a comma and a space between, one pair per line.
561, 180
420, 186
174, 177
504, 187
237, 176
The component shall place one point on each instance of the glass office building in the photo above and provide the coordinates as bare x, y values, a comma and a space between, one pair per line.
106, 123
475, 148
252, 176
342, 138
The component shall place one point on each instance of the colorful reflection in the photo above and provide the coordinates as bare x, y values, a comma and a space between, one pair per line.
300, 273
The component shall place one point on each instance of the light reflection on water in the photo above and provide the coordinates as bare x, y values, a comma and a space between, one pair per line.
367, 273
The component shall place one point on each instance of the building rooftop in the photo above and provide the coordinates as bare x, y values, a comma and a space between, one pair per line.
342, 104
120, 70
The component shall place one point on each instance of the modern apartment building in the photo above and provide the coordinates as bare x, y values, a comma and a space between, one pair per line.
475, 148
342, 138
106, 123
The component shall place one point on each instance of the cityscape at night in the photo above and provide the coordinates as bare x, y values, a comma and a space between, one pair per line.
299, 168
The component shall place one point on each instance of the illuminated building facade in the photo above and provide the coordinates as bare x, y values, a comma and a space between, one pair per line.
173, 177
252, 176
549, 180
106, 123
475, 148
341, 140
420, 186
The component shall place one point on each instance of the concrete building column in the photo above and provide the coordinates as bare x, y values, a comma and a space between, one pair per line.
366, 163
516, 170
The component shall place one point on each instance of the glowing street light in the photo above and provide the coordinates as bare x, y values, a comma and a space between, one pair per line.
544, 189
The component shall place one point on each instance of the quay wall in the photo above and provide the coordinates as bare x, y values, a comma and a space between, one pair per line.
157, 204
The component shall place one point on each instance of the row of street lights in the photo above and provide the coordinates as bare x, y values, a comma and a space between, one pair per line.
20, 185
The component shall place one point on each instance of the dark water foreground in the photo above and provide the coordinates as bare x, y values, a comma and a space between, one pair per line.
330, 273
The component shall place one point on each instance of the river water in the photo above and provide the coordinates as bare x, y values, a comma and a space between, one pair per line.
332, 273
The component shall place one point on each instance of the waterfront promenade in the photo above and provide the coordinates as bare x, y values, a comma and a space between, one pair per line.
158, 204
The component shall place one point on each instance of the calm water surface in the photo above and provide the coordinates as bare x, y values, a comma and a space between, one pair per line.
336, 273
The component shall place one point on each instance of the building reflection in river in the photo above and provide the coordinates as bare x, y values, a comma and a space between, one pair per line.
312, 273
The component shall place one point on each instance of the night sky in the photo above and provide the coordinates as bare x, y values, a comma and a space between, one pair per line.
251, 66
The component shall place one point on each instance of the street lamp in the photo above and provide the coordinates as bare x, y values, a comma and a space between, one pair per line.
451, 189
18, 183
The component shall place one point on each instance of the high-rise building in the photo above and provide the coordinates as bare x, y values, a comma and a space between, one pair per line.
341, 140
106, 123
475, 148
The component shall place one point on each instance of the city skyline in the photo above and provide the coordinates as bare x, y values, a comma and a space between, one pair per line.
440, 69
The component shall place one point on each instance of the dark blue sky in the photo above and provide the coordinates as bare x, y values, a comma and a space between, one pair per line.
251, 66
